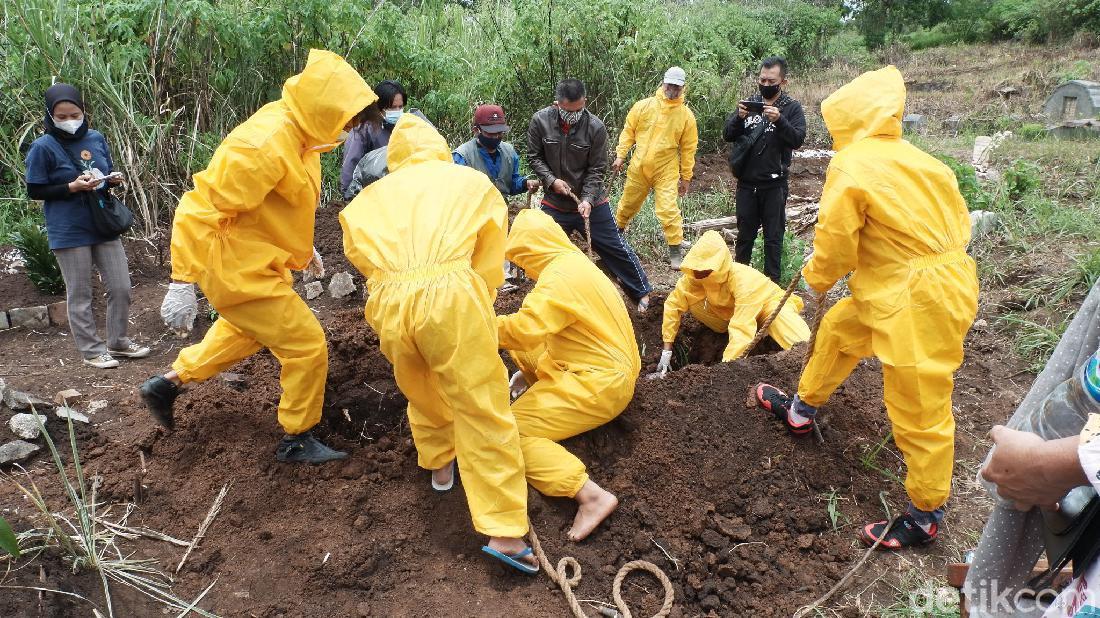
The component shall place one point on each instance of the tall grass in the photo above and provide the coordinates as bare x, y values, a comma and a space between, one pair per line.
164, 81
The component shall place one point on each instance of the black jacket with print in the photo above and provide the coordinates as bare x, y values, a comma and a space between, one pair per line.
578, 157
770, 159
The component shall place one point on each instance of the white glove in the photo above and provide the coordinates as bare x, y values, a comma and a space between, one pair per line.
179, 307
517, 385
665, 363
316, 268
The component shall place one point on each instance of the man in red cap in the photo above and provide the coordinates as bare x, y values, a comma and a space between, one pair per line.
487, 153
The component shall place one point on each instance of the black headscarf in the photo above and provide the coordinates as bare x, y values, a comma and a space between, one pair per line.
60, 93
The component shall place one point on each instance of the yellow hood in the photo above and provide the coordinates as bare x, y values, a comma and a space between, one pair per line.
709, 253
535, 240
413, 141
325, 96
870, 105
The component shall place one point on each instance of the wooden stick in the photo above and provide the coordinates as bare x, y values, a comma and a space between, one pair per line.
214, 508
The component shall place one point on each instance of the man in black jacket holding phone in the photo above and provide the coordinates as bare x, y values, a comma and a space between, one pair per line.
762, 177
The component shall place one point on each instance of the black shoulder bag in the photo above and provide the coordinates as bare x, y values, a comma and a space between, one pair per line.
1071, 535
742, 146
110, 217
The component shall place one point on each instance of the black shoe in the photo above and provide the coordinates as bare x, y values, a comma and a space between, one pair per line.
779, 404
304, 448
906, 532
159, 394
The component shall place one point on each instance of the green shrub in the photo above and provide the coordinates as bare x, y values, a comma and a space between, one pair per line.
1032, 131
1021, 179
41, 265
976, 196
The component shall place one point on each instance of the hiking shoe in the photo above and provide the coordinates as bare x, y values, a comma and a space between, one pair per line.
779, 404
132, 350
304, 448
159, 394
103, 361
906, 532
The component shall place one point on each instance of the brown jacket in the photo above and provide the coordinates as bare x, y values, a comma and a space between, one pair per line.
579, 157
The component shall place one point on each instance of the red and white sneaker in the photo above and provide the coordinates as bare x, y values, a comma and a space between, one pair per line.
906, 532
779, 404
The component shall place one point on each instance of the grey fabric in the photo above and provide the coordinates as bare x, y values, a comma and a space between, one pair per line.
503, 180
1012, 542
76, 264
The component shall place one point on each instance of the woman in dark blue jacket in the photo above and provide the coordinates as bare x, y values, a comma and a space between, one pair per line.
64, 167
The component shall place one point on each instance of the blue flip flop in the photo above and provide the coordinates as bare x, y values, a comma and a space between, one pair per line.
512, 560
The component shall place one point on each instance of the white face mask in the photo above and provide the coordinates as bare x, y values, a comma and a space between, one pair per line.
69, 126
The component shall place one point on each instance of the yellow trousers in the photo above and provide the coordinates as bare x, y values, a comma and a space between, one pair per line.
261, 310
917, 397
665, 185
559, 405
437, 327
787, 329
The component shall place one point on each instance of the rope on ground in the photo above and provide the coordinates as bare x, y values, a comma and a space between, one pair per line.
587, 228
566, 582
774, 314
805, 611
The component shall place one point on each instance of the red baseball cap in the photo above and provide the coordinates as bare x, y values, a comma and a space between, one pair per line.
491, 119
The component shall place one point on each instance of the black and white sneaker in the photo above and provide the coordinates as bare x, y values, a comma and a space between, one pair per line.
304, 448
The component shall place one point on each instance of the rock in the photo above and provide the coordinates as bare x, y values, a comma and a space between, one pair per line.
341, 285
363, 609
67, 396
713, 539
805, 541
19, 401
96, 405
14, 452
64, 412
982, 222
4, 323
314, 289
981, 325
912, 123
25, 426
29, 317
58, 313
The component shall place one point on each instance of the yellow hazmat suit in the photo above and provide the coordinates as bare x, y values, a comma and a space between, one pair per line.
249, 222
893, 215
575, 344
734, 298
666, 136
430, 238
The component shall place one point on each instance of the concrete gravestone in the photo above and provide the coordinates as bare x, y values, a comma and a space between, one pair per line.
1074, 100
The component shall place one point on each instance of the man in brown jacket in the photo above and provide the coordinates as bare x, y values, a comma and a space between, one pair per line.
567, 149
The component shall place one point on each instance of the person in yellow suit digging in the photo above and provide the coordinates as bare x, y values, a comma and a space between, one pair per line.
728, 297
249, 222
429, 237
664, 135
574, 344
891, 215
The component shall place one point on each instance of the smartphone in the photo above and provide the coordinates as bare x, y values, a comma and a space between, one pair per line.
113, 175
754, 107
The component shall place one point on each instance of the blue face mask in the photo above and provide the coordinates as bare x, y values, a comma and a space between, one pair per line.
393, 115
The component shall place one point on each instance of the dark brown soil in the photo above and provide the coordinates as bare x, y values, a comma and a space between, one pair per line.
713, 491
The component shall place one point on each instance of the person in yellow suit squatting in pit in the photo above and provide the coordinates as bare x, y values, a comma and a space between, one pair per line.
249, 222
728, 297
891, 215
429, 237
574, 344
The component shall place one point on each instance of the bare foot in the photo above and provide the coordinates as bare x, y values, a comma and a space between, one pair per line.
444, 476
511, 547
596, 503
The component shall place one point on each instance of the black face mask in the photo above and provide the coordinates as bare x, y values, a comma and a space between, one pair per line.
490, 143
769, 92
